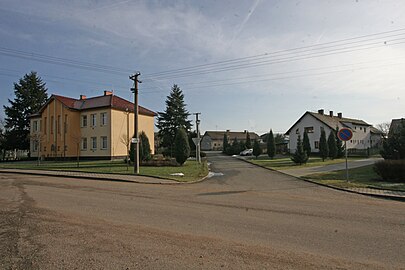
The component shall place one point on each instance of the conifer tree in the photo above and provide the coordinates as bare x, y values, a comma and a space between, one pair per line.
306, 144
332, 145
339, 145
271, 145
240, 148
30, 95
394, 145
144, 147
173, 118
225, 143
323, 146
256, 149
248, 142
181, 146
300, 156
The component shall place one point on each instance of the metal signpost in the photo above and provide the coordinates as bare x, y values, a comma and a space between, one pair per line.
345, 134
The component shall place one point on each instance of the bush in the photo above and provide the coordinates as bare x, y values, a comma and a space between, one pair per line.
391, 170
193, 153
300, 156
181, 146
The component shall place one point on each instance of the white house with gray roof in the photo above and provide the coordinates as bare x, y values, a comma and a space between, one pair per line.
364, 135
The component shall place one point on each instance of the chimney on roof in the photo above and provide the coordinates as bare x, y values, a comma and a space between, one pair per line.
340, 115
82, 97
330, 113
321, 111
245, 131
108, 93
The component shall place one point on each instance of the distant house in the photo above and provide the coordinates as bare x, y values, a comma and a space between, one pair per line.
364, 135
281, 146
395, 126
213, 140
94, 128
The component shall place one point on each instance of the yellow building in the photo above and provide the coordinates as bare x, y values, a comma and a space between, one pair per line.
95, 128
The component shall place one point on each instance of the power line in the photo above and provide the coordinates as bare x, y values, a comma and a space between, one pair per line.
274, 53
360, 47
208, 85
62, 61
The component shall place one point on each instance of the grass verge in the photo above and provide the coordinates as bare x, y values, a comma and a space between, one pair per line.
191, 169
285, 163
358, 177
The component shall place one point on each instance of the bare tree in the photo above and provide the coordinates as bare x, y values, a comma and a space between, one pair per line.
384, 128
76, 138
37, 139
125, 140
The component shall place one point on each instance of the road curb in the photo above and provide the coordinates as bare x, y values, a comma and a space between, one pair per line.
381, 196
101, 178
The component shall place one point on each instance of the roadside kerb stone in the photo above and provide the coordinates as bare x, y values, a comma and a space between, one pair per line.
140, 179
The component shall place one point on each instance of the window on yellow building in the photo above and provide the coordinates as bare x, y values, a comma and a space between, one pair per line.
35, 146
35, 126
103, 118
51, 124
103, 142
84, 121
65, 124
93, 143
93, 120
58, 124
84, 144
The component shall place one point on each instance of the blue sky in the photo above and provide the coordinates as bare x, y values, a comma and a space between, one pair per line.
366, 80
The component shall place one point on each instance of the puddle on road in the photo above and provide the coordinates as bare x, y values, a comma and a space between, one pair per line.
214, 174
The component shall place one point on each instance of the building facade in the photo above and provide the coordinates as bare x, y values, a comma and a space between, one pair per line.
95, 128
364, 135
213, 140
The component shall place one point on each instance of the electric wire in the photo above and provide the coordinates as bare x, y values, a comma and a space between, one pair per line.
265, 55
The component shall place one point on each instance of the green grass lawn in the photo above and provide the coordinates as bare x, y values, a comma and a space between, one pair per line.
358, 177
286, 162
191, 169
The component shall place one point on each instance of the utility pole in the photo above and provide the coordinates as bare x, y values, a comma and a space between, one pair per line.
197, 121
134, 78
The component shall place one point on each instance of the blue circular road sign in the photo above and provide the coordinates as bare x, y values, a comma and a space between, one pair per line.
345, 134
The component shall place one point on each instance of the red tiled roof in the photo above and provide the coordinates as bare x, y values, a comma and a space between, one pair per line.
112, 101
123, 104
67, 101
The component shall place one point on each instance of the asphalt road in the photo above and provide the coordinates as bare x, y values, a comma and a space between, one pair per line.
249, 218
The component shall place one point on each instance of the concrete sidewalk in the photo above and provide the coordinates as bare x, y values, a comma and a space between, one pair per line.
389, 194
328, 168
381, 193
95, 176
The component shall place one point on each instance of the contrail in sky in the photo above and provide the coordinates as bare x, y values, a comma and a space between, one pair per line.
242, 25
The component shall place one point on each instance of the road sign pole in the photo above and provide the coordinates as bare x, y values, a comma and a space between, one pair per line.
345, 134
347, 169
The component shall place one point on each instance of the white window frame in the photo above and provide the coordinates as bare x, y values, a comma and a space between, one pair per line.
35, 125
103, 139
93, 142
83, 144
82, 122
103, 119
35, 146
93, 120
